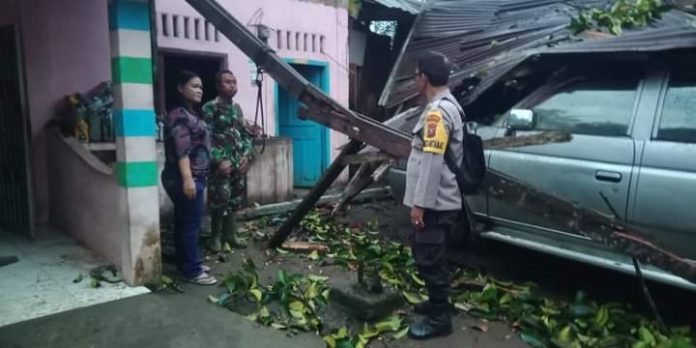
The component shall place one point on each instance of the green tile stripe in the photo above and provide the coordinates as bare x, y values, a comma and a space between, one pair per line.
137, 174
131, 70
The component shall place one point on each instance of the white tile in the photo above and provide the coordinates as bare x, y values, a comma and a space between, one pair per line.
137, 96
41, 283
136, 149
131, 43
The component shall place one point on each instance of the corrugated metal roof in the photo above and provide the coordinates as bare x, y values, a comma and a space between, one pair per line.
485, 39
410, 6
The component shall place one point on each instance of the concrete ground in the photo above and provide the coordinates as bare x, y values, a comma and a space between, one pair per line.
153, 320
41, 282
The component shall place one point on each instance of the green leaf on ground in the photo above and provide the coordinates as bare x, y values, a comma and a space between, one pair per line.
278, 326
401, 333
78, 278
411, 297
532, 340
392, 323
281, 251
257, 294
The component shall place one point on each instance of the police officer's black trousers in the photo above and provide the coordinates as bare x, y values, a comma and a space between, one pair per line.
429, 247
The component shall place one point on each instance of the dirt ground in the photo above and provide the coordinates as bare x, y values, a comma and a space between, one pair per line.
190, 320
390, 217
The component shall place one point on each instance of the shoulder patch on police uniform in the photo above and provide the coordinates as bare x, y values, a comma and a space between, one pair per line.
435, 135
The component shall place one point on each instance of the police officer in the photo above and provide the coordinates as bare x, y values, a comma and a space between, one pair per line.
432, 192
232, 148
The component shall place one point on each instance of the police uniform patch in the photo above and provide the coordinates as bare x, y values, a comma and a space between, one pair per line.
435, 135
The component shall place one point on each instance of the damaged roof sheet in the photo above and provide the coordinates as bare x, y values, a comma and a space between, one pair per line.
486, 39
410, 6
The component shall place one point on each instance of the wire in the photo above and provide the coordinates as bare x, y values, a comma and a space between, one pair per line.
260, 108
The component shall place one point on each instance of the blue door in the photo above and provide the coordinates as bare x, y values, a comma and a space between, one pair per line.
309, 139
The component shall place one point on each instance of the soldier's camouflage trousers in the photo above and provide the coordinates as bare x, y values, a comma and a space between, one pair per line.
226, 194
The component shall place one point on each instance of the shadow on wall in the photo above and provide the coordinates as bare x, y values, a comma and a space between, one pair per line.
85, 199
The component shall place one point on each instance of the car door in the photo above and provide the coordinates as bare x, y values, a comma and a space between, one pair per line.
664, 201
592, 170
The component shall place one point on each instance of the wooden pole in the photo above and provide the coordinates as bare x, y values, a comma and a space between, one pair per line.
317, 191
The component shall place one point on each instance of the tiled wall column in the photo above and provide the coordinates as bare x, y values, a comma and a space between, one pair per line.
131, 64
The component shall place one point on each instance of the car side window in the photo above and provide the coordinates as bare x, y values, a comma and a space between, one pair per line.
589, 107
678, 121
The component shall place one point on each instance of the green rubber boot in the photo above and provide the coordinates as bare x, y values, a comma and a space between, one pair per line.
230, 232
216, 224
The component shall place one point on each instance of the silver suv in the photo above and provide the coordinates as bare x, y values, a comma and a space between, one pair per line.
632, 153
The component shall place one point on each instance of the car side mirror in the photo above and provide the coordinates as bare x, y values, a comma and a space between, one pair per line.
521, 119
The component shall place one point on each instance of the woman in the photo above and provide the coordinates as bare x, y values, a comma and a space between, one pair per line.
185, 175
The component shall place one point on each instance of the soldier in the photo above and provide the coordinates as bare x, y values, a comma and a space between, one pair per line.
432, 192
232, 147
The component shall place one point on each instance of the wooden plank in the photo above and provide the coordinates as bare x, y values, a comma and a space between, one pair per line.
366, 157
305, 246
372, 132
250, 213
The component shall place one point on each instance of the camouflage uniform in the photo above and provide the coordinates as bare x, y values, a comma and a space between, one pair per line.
230, 141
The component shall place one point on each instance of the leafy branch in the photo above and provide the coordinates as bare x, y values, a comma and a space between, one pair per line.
622, 14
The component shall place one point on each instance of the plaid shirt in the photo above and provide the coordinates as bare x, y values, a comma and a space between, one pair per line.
187, 135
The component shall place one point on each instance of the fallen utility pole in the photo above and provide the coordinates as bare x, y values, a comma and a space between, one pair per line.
324, 110
362, 129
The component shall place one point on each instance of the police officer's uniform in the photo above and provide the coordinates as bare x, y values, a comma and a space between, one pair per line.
431, 185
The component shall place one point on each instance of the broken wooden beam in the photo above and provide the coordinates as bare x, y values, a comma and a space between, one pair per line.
311, 199
305, 246
364, 129
360, 158
377, 193
357, 183
325, 110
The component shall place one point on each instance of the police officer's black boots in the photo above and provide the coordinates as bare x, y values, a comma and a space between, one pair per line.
425, 307
438, 322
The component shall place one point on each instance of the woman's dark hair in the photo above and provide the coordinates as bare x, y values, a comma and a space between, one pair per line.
435, 66
184, 76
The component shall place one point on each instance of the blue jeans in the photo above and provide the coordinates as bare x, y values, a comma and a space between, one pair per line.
188, 219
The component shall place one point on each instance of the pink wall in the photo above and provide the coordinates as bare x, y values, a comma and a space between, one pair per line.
94, 214
8, 15
286, 15
65, 49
